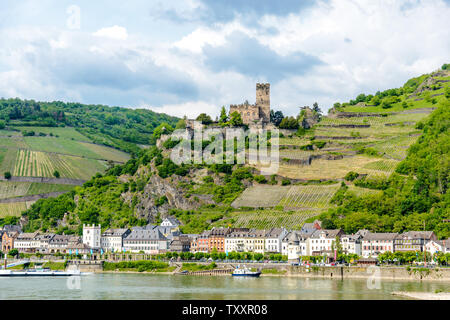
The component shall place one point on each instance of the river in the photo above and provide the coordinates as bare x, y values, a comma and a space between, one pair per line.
144, 286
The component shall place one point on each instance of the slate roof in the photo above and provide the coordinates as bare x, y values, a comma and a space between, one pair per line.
115, 232
380, 236
145, 234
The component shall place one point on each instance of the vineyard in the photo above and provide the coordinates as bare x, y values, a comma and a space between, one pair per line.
309, 196
40, 164
14, 209
266, 219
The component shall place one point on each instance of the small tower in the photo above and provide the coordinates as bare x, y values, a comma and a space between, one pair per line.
92, 235
263, 100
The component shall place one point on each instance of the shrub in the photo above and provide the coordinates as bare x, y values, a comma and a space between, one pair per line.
350, 176
285, 182
7, 175
260, 179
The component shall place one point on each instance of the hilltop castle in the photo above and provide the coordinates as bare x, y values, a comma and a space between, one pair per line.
258, 113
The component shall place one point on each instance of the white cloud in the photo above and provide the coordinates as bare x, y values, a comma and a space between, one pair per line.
189, 109
114, 32
364, 46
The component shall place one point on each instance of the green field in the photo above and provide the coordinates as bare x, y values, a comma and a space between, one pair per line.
10, 189
61, 132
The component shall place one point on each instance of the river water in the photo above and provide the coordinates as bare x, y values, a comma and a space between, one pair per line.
144, 286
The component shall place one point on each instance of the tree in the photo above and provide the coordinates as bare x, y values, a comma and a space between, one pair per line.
181, 124
223, 118
7, 175
276, 117
204, 118
56, 174
236, 119
289, 123
13, 252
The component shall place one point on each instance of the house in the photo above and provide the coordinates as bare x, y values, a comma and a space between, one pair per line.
180, 243
255, 241
375, 243
92, 235
200, 243
42, 242
8, 238
148, 240
112, 239
289, 244
60, 243
274, 238
322, 242
352, 243
216, 239
294, 246
24, 242
168, 232
434, 246
236, 240
78, 248
413, 240
310, 228
170, 222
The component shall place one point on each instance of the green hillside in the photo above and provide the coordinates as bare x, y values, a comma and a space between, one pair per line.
64, 141
383, 168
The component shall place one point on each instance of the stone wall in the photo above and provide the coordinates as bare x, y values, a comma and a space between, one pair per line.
263, 100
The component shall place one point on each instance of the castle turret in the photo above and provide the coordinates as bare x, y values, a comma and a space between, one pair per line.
263, 100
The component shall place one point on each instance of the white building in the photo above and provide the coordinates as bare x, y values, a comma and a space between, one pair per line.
92, 236
322, 242
43, 242
25, 242
274, 239
375, 243
352, 243
112, 239
148, 240
170, 222
294, 245
236, 241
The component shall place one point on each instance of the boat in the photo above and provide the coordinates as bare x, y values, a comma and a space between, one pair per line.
38, 273
245, 272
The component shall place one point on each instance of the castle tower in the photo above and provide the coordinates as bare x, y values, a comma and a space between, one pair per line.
263, 100
92, 235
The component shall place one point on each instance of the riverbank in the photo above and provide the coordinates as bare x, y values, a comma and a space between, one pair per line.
423, 295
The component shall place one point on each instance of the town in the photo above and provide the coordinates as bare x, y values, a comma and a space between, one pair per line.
289, 245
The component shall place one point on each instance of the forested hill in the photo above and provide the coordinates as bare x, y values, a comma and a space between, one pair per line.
118, 127
415, 197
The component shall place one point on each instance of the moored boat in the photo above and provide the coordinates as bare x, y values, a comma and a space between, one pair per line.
245, 272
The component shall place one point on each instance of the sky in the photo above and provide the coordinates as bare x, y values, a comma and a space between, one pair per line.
193, 56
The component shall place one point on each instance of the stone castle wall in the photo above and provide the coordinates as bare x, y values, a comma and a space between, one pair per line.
258, 112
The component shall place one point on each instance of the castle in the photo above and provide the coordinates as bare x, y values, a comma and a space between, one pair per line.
258, 113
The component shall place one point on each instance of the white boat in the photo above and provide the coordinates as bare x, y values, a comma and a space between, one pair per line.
245, 272
38, 273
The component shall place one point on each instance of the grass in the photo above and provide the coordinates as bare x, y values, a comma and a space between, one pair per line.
192, 267
7, 159
360, 192
39, 188
59, 145
65, 132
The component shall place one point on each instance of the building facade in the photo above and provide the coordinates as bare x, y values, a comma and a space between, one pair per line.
92, 235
